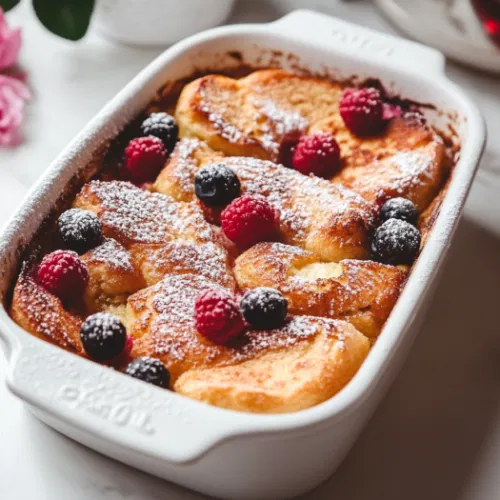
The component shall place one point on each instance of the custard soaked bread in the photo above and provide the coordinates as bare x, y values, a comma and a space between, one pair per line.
361, 292
313, 213
247, 253
408, 160
161, 234
301, 364
254, 115
257, 115
43, 314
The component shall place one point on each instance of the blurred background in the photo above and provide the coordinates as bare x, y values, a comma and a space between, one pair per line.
437, 433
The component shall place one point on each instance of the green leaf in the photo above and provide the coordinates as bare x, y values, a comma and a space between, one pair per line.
66, 18
8, 4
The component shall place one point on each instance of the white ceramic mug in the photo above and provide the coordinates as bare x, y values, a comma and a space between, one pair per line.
157, 22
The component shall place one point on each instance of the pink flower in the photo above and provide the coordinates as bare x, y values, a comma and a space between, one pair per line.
13, 94
10, 43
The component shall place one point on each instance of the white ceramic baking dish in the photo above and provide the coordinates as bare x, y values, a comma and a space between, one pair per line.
219, 452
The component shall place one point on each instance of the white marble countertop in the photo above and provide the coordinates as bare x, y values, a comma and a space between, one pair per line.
437, 433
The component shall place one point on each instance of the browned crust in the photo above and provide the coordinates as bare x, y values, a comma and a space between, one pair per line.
43, 314
363, 292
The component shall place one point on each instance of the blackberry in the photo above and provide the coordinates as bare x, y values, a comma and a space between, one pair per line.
264, 308
399, 208
103, 336
396, 242
163, 126
216, 185
150, 370
80, 230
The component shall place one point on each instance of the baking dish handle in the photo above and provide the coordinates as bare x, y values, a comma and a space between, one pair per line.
359, 40
96, 404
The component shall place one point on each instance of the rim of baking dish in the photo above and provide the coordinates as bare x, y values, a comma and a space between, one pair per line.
226, 424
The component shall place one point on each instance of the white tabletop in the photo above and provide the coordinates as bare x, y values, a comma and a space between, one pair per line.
437, 433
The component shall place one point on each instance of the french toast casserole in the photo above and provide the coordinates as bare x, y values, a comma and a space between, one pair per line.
244, 243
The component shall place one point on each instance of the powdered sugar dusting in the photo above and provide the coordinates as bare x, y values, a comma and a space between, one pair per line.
207, 259
304, 203
225, 128
42, 313
141, 216
414, 167
187, 165
111, 253
172, 326
277, 124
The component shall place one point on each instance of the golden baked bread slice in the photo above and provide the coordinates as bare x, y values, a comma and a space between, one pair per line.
161, 234
254, 115
259, 114
161, 318
407, 160
113, 276
177, 178
316, 359
315, 214
361, 292
291, 368
43, 314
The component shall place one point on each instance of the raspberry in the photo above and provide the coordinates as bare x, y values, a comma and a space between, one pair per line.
317, 154
125, 356
248, 220
63, 273
287, 148
391, 111
103, 336
150, 370
362, 110
218, 316
80, 230
163, 126
144, 158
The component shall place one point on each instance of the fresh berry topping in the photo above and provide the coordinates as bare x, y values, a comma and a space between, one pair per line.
396, 242
144, 158
103, 336
399, 208
287, 149
248, 220
129, 344
80, 230
264, 308
150, 370
317, 154
63, 273
218, 316
361, 110
391, 111
163, 126
124, 358
216, 185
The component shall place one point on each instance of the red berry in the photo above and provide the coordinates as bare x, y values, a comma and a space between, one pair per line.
218, 316
63, 273
144, 158
391, 111
362, 110
317, 154
287, 148
248, 220
125, 357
